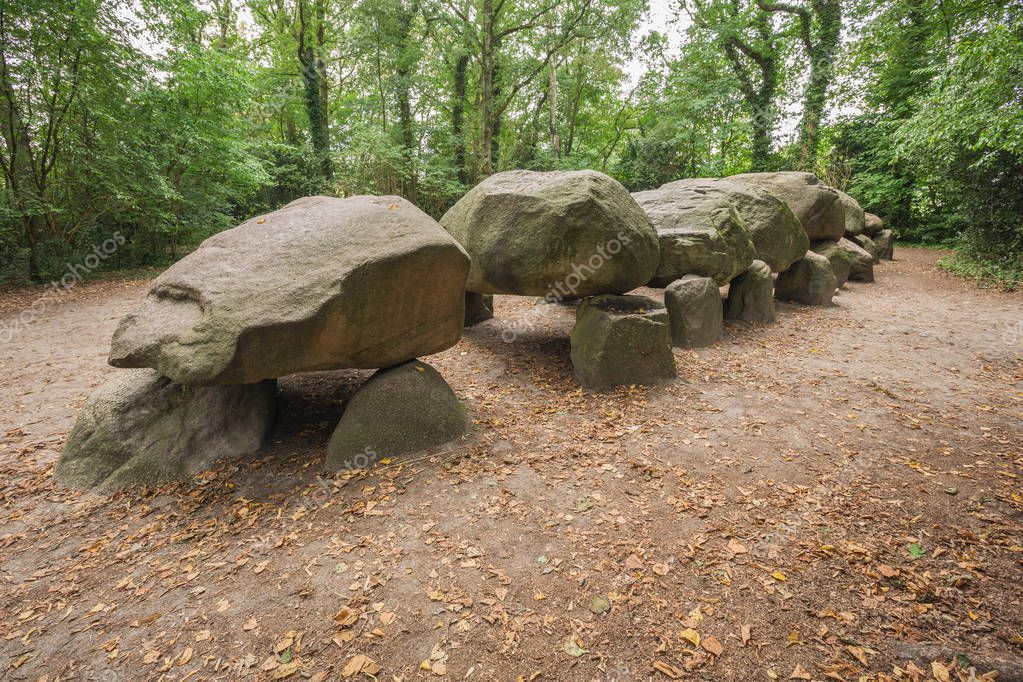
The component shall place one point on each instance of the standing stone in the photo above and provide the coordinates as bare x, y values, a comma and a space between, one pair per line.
854, 215
695, 312
142, 428
751, 295
398, 410
841, 259
321, 284
810, 281
778, 237
478, 308
566, 233
816, 205
872, 224
620, 341
867, 244
884, 241
699, 235
862, 263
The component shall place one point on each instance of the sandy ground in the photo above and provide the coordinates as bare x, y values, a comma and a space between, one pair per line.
810, 500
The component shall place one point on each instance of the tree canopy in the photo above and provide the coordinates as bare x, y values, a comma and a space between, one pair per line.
164, 121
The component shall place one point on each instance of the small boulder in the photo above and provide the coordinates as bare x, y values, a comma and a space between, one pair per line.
620, 341
143, 428
398, 410
699, 235
694, 311
884, 241
751, 295
810, 281
841, 259
854, 215
323, 283
816, 205
862, 264
867, 244
872, 224
778, 237
478, 308
562, 233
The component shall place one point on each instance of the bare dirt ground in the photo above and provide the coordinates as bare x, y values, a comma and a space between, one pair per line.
810, 500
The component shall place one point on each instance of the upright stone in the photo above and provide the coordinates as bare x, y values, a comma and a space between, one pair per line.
620, 341
323, 283
810, 281
398, 410
872, 224
751, 295
699, 235
778, 237
867, 244
854, 215
816, 205
478, 308
884, 241
142, 428
862, 263
841, 259
695, 312
564, 233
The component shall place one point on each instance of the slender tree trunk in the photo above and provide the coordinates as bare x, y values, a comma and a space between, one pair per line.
822, 53
458, 115
552, 91
488, 70
311, 77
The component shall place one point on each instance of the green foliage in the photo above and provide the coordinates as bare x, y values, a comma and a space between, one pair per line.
168, 120
1007, 276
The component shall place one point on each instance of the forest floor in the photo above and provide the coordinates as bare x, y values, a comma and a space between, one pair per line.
816, 499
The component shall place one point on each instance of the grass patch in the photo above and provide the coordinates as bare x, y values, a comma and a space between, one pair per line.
987, 274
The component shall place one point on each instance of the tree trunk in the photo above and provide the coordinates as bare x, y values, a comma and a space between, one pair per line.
822, 55
552, 91
458, 116
311, 77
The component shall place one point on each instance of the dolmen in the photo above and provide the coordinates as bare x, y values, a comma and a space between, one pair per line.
323, 283
565, 235
374, 283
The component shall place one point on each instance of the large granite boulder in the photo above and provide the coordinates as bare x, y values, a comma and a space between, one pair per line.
620, 341
865, 243
323, 283
398, 410
884, 242
810, 281
861, 262
478, 308
816, 205
872, 224
566, 233
778, 237
699, 235
854, 215
695, 313
142, 428
751, 295
841, 259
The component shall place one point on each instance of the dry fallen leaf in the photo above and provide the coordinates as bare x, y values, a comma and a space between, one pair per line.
940, 672
799, 674
360, 663
346, 617
859, 653
691, 636
712, 645
668, 670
